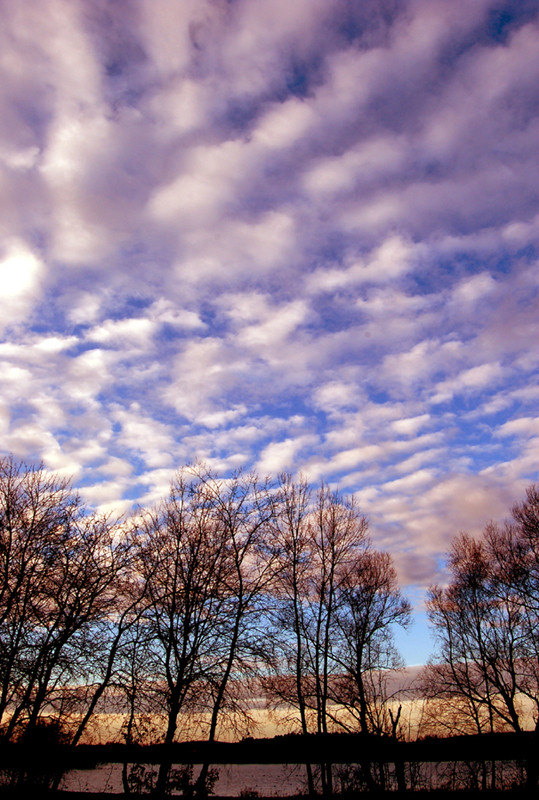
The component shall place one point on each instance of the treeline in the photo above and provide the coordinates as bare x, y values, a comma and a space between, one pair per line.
295, 748
486, 673
176, 619
229, 590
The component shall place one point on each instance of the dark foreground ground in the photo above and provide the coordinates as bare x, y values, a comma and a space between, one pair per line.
409, 795
522, 749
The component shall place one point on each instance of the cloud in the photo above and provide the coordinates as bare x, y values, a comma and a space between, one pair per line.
433, 513
165, 312
470, 380
280, 457
285, 125
390, 260
472, 291
21, 273
204, 371
362, 165
335, 396
273, 327
279, 235
411, 425
136, 331
148, 438
519, 427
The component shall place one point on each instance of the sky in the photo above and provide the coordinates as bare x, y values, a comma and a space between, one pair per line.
277, 235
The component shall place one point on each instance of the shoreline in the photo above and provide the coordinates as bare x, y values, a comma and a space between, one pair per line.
37, 794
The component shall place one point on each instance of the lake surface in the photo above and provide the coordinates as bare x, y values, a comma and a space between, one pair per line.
280, 780
266, 779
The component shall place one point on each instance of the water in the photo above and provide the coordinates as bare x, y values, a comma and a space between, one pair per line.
280, 780
270, 780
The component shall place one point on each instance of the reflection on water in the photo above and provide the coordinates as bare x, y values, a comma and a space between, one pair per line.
278, 780
266, 779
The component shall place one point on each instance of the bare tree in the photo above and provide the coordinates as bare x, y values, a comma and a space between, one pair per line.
478, 623
370, 605
59, 566
290, 587
35, 507
242, 509
111, 633
338, 535
516, 551
321, 539
486, 622
183, 560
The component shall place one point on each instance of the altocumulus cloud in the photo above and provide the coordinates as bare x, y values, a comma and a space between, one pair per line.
282, 236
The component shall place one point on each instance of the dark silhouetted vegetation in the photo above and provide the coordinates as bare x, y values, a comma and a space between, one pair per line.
236, 592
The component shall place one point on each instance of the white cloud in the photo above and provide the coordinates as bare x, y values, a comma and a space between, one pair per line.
164, 311
105, 497
303, 237
180, 106
21, 273
19, 159
523, 426
271, 333
411, 483
166, 30
150, 439
84, 308
285, 124
470, 380
411, 425
236, 248
369, 161
202, 373
414, 366
55, 344
336, 395
136, 331
87, 213
393, 258
87, 375
281, 456
473, 290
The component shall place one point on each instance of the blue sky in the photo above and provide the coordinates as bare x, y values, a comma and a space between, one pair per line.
276, 235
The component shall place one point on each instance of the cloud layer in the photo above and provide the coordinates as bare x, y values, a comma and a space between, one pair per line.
281, 236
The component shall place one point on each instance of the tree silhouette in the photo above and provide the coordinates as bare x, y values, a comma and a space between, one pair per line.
486, 623
58, 568
171, 618
188, 569
337, 600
